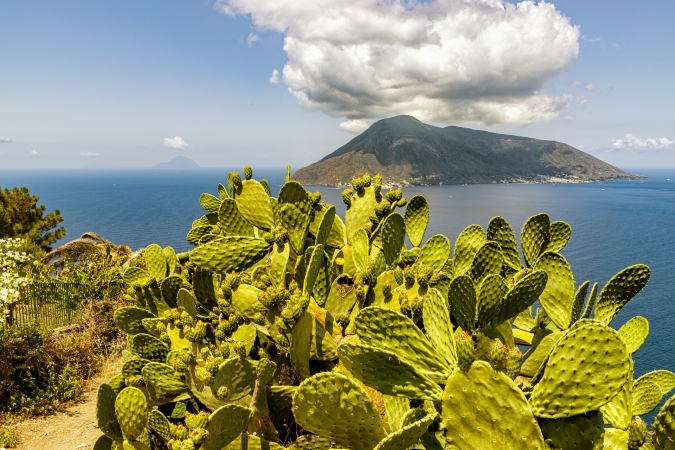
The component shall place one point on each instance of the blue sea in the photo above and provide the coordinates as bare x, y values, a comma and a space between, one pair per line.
615, 224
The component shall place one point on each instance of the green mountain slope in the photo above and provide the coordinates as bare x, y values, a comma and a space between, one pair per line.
406, 151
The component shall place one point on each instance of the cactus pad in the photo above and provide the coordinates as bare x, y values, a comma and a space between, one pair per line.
230, 253
247, 441
155, 261
301, 336
327, 221
295, 208
337, 408
664, 427
634, 333
159, 424
149, 347
232, 223
209, 202
462, 298
129, 319
435, 252
500, 231
483, 409
169, 288
488, 261
386, 372
163, 379
587, 368
533, 237
646, 395
135, 276
103, 442
558, 297
360, 248
620, 290
395, 409
237, 375
665, 379
406, 436
105, 413
438, 326
387, 329
225, 424
254, 204
131, 409
559, 234
416, 219
393, 237
469, 241
582, 432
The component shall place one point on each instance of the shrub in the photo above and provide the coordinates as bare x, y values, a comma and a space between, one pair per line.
8, 437
287, 325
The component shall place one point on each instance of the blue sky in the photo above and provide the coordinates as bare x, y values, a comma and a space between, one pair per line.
85, 84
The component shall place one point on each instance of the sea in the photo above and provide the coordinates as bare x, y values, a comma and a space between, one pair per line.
614, 224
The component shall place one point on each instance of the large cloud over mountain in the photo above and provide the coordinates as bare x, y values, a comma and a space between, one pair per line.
444, 60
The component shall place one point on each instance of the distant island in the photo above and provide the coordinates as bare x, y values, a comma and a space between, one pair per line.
179, 162
406, 151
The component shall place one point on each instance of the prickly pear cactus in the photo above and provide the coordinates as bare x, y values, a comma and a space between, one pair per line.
288, 326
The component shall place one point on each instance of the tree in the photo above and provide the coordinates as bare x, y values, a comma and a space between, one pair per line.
20, 216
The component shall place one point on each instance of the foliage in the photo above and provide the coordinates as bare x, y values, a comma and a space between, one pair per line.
288, 326
14, 272
20, 216
9, 437
40, 369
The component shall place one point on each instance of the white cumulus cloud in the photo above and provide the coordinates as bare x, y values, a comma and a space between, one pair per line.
354, 125
176, 143
90, 154
5, 140
251, 39
445, 60
34, 152
630, 142
274, 79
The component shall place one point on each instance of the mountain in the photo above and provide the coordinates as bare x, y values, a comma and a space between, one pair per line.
179, 162
406, 151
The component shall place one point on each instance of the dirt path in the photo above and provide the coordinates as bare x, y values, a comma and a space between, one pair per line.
75, 428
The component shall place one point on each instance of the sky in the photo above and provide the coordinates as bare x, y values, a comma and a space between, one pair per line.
231, 82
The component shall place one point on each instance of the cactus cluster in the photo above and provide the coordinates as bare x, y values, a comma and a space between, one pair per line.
288, 326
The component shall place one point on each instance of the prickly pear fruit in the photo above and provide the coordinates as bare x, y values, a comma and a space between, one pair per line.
497, 355
347, 197
514, 360
637, 433
199, 420
466, 352
248, 172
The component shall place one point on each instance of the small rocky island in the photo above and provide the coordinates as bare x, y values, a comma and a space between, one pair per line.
406, 151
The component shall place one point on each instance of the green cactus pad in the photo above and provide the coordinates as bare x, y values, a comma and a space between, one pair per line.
491, 300
169, 288
279, 257
488, 261
646, 396
232, 253
159, 424
665, 379
323, 347
387, 329
407, 436
133, 367
360, 248
131, 409
558, 297
222, 192
237, 375
187, 301
341, 297
148, 347
105, 413
225, 424
322, 283
295, 208
579, 298
232, 223
387, 372
327, 221
500, 232
438, 327
582, 432
209, 202
615, 439
163, 378
338, 233
416, 219
129, 319
316, 262
301, 335
201, 391
533, 237
155, 261
207, 219
618, 412
311, 442
395, 408
435, 252
589, 310
393, 237
587, 368
620, 290
337, 408
483, 409
559, 234
254, 204
196, 234
171, 259
538, 354
135, 276
376, 295
204, 289
117, 383
462, 299
523, 295
247, 441
634, 333
664, 427
469, 241
103, 442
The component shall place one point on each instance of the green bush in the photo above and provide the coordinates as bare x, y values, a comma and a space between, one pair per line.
286, 325
8, 437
